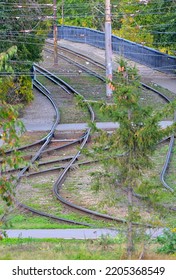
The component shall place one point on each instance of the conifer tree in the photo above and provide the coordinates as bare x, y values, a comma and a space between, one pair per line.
137, 137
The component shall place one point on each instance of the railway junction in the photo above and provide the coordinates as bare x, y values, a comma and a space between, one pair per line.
37, 120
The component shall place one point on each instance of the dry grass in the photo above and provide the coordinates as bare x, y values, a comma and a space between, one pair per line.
74, 250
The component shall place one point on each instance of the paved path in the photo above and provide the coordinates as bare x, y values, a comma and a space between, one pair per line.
109, 126
1, 142
71, 233
61, 233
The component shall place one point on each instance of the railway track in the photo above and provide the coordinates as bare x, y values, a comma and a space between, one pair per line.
84, 63
83, 140
59, 182
80, 59
71, 160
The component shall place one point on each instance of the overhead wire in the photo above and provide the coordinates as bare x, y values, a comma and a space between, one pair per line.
39, 37
33, 18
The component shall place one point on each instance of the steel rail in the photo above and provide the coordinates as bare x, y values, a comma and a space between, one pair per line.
65, 88
82, 67
47, 138
65, 171
85, 139
91, 60
157, 92
61, 178
21, 173
63, 175
53, 217
171, 144
168, 100
75, 165
39, 164
46, 93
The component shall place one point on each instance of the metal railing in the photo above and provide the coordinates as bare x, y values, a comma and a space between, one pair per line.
136, 52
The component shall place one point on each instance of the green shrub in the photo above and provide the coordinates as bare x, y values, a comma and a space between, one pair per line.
168, 242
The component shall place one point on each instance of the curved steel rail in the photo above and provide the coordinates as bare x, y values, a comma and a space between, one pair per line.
163, 96
171, 144
46, 93
49, 135
62, 177
36, 156
82, 67
91, 60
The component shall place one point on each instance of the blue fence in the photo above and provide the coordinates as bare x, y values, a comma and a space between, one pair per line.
136, 52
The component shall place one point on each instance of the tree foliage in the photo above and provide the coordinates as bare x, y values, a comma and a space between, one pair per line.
151, 23
168, 242
163, 26
126, 153
26, 25
9, 136
88, 14
139, 130
74, 13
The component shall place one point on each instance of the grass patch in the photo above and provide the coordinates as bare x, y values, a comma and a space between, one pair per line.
104, 248
31, 137
43, 185
29, 221
57, 249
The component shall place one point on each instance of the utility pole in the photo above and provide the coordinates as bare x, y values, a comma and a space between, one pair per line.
108, 47
55, 32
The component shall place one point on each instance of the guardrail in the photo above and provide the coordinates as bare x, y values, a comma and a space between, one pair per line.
136, 52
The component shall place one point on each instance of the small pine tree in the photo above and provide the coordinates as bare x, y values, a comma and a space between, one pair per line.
136, 138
